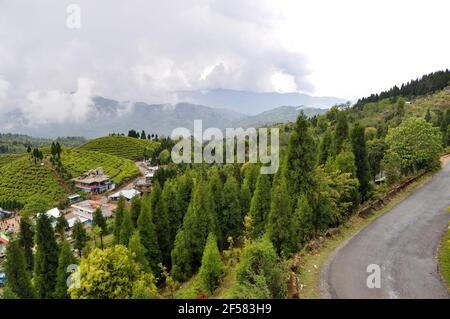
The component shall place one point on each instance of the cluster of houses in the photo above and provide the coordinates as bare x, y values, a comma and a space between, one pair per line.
93, 183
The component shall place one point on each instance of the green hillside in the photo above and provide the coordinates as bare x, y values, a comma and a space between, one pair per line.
21, 180
122, 146
80, 160
8, 158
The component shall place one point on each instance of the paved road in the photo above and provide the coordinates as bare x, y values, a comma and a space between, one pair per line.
403, 242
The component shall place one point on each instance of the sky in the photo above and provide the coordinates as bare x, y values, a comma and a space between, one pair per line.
149, 50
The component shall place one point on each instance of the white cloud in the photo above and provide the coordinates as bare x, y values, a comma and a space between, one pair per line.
4, 88
54, 106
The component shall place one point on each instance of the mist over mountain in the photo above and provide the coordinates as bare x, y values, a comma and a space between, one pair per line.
110, 116
252, 103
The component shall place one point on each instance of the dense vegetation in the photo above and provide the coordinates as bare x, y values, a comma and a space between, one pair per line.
17, 143
80, 160
227, 230
121, 146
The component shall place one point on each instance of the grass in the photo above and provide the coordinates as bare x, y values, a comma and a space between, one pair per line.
309, 275
78, 161
444, 257
121, 146
22, 179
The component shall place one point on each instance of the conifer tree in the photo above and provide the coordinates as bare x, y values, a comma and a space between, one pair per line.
181, 258
148, 235
135, 246
161, 222
46, 258
135, 209
65, 259
428, 116
361, 160
325, 147
301, 158
279, 221
126, 229
26, 240
260, 205
18, 277
61, 226
340, 133
118, 219
302, 226
211, 269
231, 220
100, 221
216, 186
80, 236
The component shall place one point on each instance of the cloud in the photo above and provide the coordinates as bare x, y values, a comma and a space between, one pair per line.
4, 87
146, 51
53, 106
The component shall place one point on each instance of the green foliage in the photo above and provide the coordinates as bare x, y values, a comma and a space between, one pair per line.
24, 181
148, 235
231, 219
61, 225
340, 133
109, 274
26, 240
80, 236
120, 146
376, 149
161, 221
118, 219
212, 269
417, 144
181, 257
80, 160
301, 226
46, 258
136, 247
259, 273
260, 206
126, 228
391, 167
361, 160
135, 209
65, 259
18, 277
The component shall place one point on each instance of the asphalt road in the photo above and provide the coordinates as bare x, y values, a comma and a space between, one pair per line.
403, 242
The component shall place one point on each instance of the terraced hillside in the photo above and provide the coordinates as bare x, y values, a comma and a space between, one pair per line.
80, 160
121, 146
22, 179
8, 158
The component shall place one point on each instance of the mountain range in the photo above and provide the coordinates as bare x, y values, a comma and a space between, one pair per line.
217, 108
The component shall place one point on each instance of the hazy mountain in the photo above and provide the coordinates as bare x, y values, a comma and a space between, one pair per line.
110, 116
252, 103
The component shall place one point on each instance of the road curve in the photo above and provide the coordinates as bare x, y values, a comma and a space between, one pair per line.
403, 242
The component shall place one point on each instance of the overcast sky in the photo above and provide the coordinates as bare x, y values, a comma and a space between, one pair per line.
146, 50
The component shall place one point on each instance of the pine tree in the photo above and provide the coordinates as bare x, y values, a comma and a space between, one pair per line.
340, 133
135, 209
126, 229
65, 259
181, 258
231, 220
216, 186
361, 160
161, 222
325, 147
148, 235
211, 269
301, 158
100, 221
428, 116
118, 219
61, 226
80, 236
143, 136
279, 221
302, 222
135, 246
260, 205
26, 240
46, 258
19, 280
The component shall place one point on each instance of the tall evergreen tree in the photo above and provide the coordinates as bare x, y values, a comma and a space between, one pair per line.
325, 147
135, 246
100, 221
80, 236
148, 235
279, 221
361, 160
161, 220
260, 205
211, 269
135, 209
216, 187
26, 240
231, 221
61, 226
18, 277
181, 258
65, 259
46, 258
300, 160
118, 219
428, 116
302, 223
340, 133
126, 229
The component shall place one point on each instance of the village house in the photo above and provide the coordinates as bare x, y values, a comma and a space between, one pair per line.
128, 194
86, 209
94, 181
73, 198
9, 221
144, 184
